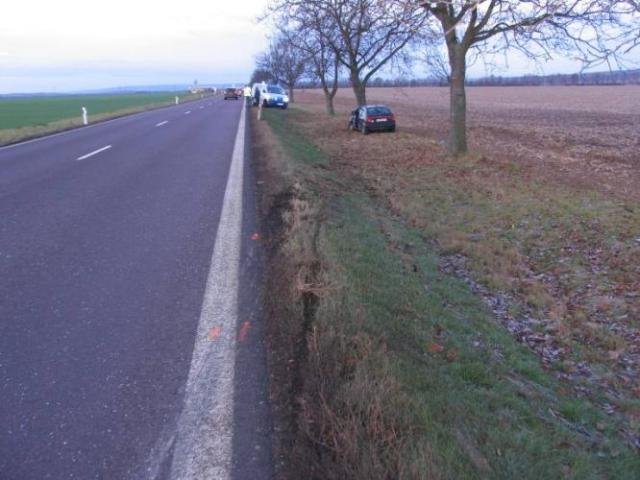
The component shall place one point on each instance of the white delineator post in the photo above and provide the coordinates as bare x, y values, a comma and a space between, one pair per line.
85, 120
177, 100
259, 110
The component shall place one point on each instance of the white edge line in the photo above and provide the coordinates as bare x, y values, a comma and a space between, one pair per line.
162, 123
203, 442
95, 152
187, 112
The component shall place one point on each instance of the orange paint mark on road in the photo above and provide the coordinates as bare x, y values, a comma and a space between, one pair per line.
255, 237
214, 333
244, 330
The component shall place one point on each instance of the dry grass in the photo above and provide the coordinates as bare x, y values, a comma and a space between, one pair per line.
338, 409
546, 209
382, 365
588, 136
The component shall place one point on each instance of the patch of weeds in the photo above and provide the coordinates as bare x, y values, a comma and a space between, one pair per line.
407, 375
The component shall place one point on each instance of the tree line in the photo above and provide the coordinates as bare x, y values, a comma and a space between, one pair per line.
616, 77
324, 42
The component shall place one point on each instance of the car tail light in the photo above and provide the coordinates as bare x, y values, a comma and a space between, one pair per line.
391, 117
369, 120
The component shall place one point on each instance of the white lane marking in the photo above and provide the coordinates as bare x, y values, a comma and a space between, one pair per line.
202, 448
162, 123
187, 112
95, 152
201, 107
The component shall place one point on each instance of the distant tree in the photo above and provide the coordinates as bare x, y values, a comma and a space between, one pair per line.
260, 75
370, 33
595, 31
438, 65
285, 61
313, 33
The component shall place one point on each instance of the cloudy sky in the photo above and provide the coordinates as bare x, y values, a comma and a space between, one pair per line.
70, 45
49, 45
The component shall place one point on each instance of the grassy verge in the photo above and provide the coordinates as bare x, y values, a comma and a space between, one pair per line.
389, 368
24, 118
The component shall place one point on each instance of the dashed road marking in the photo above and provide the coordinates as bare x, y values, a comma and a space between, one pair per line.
162, 123
95, 152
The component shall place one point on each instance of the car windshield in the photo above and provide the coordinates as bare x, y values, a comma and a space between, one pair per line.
378, 110
275, 89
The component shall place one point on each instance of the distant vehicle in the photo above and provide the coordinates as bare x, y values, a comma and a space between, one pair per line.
270, 96
370, 118
231, 93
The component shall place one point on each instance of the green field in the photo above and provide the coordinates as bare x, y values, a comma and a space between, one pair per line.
25, 117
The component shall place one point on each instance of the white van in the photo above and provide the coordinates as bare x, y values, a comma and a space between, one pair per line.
269, 95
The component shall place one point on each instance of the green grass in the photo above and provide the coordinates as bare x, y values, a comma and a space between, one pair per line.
25, 117
477, 406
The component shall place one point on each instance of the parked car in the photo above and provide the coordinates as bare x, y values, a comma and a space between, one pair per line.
231, 93
370, 118
270, 96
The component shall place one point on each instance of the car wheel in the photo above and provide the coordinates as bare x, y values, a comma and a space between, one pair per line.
392, 129
265, 104
284, 107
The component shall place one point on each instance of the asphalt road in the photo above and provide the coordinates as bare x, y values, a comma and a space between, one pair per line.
117, 243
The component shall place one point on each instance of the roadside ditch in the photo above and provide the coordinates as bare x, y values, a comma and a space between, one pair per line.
385, 365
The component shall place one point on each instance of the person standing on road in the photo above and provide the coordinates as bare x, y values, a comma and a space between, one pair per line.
247, 95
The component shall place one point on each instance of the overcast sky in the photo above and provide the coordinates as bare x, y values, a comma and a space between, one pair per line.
70, 45
61, 45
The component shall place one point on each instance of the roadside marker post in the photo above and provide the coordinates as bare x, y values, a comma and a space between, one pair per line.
259, 110
177, 100
85, 121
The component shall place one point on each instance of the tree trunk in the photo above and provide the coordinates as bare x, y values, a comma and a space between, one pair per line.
328, 99
358, 89
291, 95
458, 100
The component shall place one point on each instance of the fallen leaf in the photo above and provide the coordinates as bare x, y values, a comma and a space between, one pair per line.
435, 348
615, 354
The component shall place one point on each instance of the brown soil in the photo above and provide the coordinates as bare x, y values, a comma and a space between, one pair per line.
583, 137
583, 142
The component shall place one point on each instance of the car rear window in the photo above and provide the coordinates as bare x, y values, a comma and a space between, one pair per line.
378, 111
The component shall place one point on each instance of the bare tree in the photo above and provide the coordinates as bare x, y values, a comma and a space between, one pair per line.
596, 31
260, 75
313, 33
286, 62
369, 33
438, 65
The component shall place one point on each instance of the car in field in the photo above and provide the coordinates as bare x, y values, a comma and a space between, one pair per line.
270, 95
371, 118
231, 93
